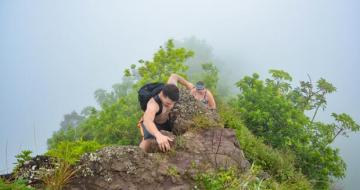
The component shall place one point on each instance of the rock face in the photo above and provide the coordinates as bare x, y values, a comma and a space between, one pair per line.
184, 112
201, 145
128, 167
33, 170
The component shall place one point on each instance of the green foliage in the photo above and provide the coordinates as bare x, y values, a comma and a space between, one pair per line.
68, 134
223, 179
179, 142
274, 111
118, 91
172, 171
22, 157
280, 75
62, 174
278, 164
345, 125
71, 120
305, 97
115, 122
166, 61
71, 152
16, 185
233, 179
268, 117
202, 121
265, 109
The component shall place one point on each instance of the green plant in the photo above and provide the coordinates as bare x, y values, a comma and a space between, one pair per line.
274, 112
179, 142
61, 175
166, 60
172, 171
71, 152
222, 179
16, 185
115, 122
279, 164
21, 158
250, 180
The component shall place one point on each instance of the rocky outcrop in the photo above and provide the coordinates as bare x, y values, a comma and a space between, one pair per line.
201, 144
32, 171
189, 113
128, 167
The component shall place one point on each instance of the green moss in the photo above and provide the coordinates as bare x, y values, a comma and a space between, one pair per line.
179, 142
172, 171
203, 121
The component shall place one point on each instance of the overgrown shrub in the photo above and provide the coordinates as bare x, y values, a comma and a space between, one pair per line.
72, 151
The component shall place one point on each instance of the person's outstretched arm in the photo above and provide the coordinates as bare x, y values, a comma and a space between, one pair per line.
174, 79
212, 104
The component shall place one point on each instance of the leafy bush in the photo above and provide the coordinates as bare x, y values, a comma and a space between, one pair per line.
72, 151
275, 112
21, 158
279, 164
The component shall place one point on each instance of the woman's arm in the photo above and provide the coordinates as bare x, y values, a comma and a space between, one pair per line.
174, 79
212, 104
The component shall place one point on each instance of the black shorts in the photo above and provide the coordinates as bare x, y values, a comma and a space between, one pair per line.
165, 126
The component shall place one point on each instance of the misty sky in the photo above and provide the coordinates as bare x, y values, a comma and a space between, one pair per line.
55, 54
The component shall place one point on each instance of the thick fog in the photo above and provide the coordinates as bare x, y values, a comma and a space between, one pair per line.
55, 54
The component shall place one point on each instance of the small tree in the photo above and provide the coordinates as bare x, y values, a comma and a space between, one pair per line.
276, 112
166, 61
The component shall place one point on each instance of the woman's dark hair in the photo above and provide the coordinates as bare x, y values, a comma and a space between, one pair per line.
171, 91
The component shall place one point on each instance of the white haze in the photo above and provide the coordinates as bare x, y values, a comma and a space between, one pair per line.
55, 54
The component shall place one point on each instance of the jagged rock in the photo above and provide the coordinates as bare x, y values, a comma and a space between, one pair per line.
32, 170
188, 108
154, 146
7, 177
128, 167
201, 144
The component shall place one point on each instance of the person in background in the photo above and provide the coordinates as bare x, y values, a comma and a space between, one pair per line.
198, 90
